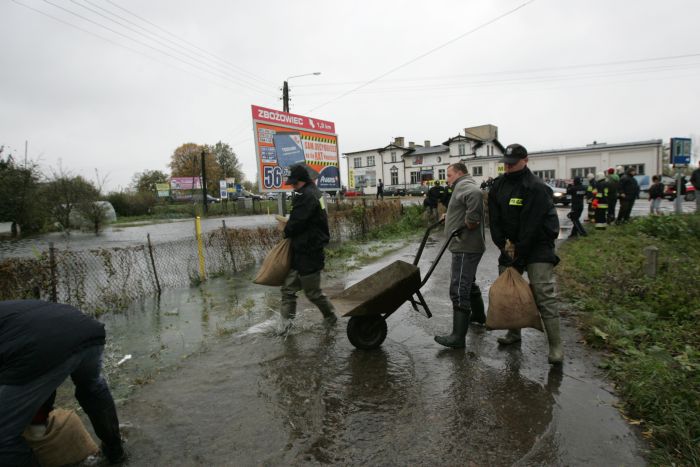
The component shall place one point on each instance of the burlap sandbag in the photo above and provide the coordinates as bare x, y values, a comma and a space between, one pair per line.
66, 441
511, 303
276, 265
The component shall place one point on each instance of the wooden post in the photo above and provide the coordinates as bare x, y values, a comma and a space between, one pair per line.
228, 244
200, 248
651, 261
153, 262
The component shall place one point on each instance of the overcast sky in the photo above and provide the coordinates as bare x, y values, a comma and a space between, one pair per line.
551, 74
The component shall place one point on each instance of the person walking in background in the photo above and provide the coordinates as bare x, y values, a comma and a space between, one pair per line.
308, 229
577, 192
435, 194
656, 194
41, 344
695, 180
613, 186
380, 189
521, 210
601, 195
466, 214
629, 191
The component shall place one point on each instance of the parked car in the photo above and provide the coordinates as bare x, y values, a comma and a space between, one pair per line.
352, 193
243, 194
417, 190
211, 199
394, 191
670, 192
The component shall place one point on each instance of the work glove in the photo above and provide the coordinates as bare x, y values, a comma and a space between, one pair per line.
505, 259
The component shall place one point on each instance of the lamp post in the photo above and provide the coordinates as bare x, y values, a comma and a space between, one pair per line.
285, 89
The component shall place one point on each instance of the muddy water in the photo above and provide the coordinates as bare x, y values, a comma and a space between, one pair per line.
252, 398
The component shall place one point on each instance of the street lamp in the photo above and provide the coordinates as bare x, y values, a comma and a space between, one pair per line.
285, 89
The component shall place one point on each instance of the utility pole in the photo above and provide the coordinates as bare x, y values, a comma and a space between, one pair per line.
285, 97
204, 182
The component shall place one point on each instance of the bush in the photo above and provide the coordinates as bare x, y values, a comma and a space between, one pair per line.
127, 204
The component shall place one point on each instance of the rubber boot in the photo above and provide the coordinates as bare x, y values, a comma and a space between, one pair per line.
327, 310
511, 337
476, 302
556, 352
460, 325
106, 426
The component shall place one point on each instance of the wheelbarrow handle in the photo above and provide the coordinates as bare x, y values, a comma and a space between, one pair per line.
448, 240
425, 239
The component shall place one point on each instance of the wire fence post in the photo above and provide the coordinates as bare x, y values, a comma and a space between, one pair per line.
200, 248
52, 271
363, 221
153, 262
228, 244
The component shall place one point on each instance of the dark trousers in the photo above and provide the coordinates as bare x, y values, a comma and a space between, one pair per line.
19, 403
576, 228
612, 204
625, 210
463, 273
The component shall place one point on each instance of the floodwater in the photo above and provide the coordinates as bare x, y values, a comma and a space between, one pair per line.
210, 383
120, 236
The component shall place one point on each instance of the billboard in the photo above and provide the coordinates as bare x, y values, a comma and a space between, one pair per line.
283, 139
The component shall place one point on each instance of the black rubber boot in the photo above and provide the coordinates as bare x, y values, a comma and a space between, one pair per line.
476, 301
106, 426
460, 325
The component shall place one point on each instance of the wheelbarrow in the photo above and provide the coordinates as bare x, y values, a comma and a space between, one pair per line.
371, 301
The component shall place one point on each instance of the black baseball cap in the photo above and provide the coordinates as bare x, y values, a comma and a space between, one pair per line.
514, 154
298, 173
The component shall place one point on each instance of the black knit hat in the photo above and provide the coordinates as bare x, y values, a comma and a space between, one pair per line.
298, 173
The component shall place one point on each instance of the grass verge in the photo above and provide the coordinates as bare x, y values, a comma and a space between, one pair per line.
648, 327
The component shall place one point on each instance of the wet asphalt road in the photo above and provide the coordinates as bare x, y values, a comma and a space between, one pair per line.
257, 399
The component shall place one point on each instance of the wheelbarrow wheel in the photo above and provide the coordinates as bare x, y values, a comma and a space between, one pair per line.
367, 332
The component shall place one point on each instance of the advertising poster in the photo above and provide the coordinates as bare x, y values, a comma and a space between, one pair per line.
283, 140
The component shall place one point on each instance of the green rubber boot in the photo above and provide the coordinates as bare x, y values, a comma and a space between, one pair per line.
556, 351
511, 337
460, 325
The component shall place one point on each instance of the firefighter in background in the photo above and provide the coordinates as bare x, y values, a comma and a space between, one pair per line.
589, 197
601, 194
613, 180
576, 192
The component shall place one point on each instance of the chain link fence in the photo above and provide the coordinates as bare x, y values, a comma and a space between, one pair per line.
109, 279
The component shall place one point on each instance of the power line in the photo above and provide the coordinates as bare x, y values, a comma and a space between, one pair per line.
43, 13
148, 45
191, 44
425, 54
504, 72
523, 80
158, 41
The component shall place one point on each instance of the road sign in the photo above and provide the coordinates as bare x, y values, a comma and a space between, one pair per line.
680, 152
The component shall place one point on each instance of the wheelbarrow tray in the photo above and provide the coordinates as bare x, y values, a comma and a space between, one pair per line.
382, 292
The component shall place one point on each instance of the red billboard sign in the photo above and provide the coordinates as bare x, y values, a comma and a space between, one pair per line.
283, 140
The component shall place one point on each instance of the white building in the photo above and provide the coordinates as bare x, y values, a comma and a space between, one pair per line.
409, 167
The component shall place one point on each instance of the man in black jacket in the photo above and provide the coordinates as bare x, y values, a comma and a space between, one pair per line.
521, 210
577, 192
629, 191
308, 229
41, 344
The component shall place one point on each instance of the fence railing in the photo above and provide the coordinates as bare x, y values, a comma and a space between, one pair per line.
109, 279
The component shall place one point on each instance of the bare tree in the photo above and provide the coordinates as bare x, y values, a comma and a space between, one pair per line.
64, 192
94, 211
